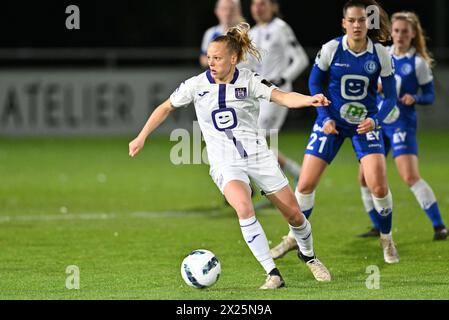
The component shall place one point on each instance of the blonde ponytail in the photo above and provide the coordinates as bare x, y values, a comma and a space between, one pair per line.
239, 42
419, 42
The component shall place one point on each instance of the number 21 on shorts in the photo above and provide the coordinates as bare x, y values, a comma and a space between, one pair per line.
313, 138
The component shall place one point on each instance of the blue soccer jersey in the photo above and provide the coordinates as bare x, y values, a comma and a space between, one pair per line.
413, 76
349, 80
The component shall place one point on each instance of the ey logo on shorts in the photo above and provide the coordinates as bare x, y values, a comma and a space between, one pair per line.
373, 136
399, 137
353, 112
224, 119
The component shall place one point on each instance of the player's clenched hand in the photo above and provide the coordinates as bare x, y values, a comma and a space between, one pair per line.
135, 146
407, 99
330, 127
319, 100
366, 126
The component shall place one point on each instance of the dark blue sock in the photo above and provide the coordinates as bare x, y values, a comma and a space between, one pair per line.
434, 215
385, 220
307, 213
374, 216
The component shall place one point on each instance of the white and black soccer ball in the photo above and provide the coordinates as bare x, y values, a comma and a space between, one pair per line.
200, 269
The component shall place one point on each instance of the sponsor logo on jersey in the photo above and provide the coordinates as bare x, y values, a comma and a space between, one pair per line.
353, 112
354, 87
241, 93
392, 116
202, 94
317, 128
344, 65
224, 119
267, 83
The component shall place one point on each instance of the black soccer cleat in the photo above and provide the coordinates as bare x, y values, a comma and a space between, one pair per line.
373, 233
441, 233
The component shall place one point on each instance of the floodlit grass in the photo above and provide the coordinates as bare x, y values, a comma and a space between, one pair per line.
128, 223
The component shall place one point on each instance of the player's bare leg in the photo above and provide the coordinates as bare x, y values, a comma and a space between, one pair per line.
301, 231
312, 169
375, 173
238, 194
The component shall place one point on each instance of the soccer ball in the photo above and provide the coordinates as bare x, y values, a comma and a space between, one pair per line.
200, 269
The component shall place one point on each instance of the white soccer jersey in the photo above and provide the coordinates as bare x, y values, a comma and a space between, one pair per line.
227, 113
209, 36
282, 55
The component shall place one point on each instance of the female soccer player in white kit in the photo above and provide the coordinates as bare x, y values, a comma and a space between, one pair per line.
227, 107
229, 14
283, 60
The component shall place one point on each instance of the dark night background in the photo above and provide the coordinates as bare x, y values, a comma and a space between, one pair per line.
177, 23
168, 33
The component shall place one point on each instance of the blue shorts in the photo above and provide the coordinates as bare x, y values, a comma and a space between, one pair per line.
326, 146
400, 140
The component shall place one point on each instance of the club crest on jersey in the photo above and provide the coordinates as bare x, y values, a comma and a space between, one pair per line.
370, 67
241, 93
406, 69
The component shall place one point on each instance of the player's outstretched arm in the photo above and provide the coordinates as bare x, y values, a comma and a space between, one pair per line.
156, 118
297, 100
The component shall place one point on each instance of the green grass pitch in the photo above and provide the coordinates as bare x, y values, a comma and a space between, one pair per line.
128, 223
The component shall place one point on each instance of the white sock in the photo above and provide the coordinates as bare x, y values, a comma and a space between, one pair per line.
388, 236
257, 242
292, 167
424, 194
305, 201
367, 199
384, 205
304, 238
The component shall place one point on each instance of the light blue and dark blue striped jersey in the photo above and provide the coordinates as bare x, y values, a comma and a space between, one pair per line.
413, 76
350, 79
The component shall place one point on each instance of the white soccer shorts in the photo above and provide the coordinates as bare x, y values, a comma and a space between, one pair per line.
262, 168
